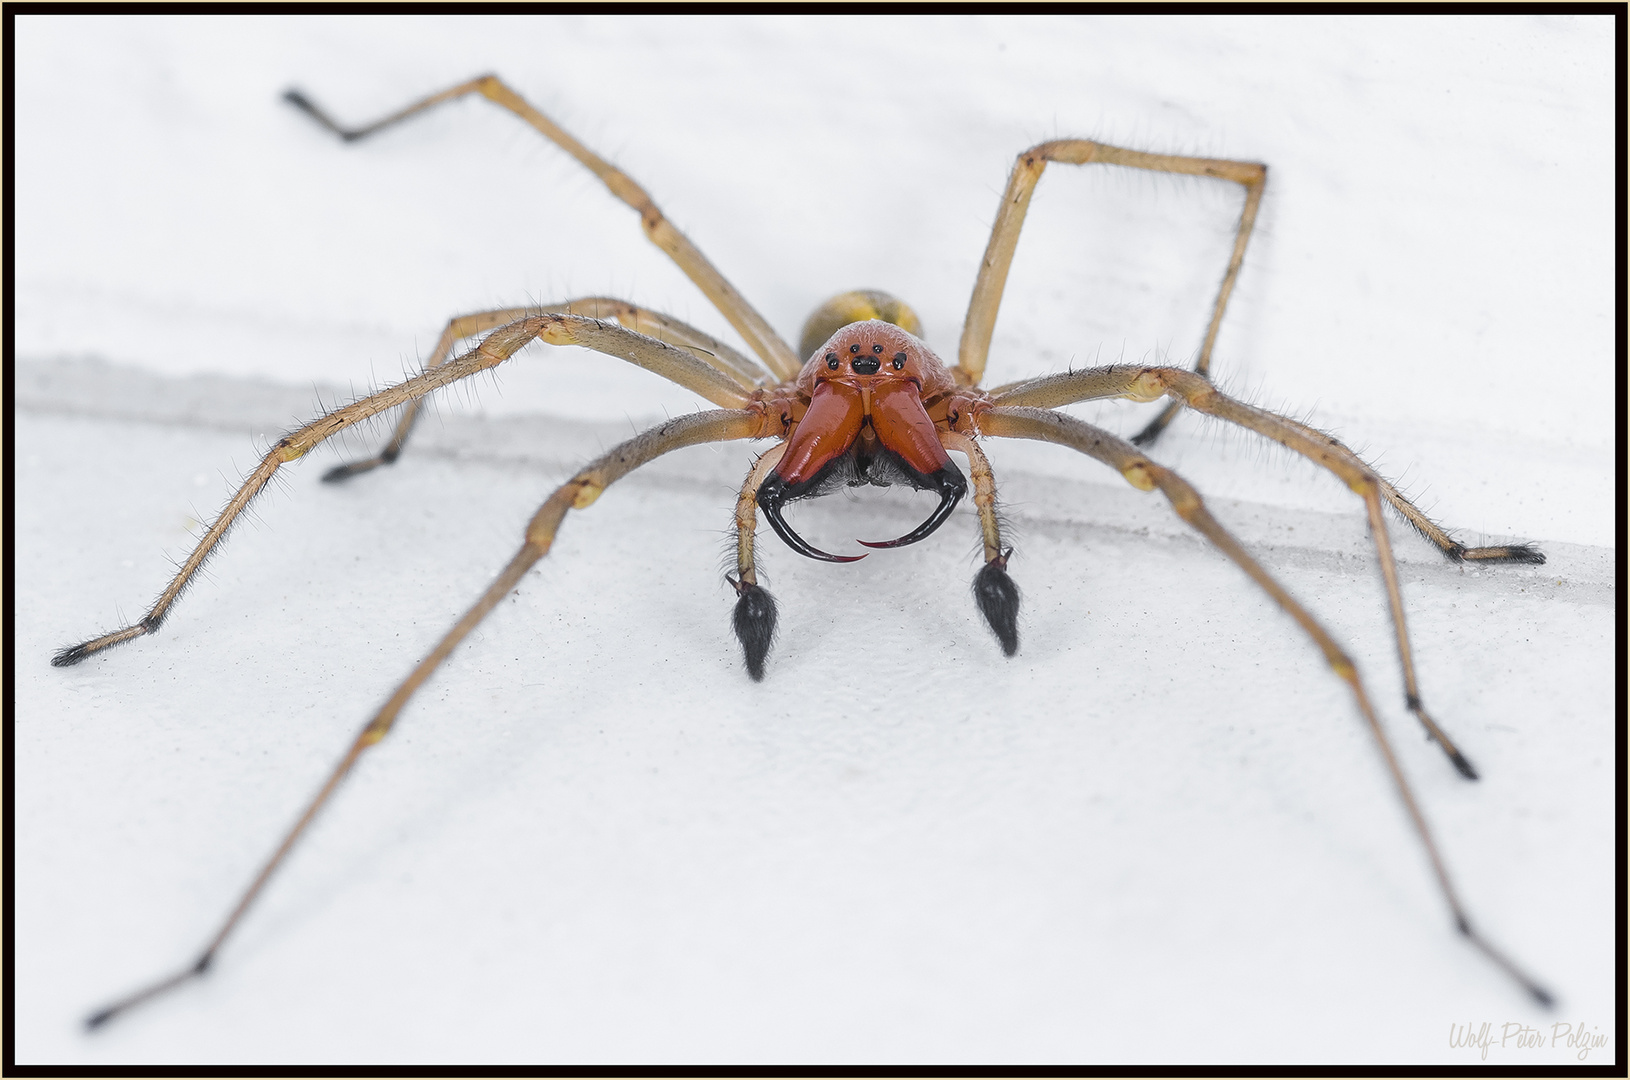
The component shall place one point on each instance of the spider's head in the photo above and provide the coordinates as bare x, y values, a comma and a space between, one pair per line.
873, 354
865, 424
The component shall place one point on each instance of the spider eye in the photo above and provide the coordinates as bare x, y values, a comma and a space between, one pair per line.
854, 348
899, 360
832, 360
877, 348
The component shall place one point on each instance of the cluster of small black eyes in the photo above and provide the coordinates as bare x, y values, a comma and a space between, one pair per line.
899, 357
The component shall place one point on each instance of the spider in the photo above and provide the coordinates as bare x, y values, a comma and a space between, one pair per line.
863, 401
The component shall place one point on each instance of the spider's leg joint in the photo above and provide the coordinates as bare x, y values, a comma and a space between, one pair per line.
587, 492
1139, 476
1150, 385
554, 329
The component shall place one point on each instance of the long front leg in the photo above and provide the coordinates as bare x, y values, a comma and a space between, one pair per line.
555, 329
576, 494
1048, 426
1004, 238
665, 328
775, 352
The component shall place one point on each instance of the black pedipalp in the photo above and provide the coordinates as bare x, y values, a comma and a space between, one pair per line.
754, 623
998, 599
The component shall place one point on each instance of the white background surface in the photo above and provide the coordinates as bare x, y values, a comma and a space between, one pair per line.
1157, 834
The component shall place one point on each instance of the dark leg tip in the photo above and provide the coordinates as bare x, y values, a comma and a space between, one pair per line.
1464, 766
70, 656
357, 468
1525, 553
98, 1018
1151, 431
998, 600
1541, 996
754, 623
1511, 553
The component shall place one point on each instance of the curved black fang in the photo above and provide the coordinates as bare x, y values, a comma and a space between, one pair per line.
771, 495
951, 485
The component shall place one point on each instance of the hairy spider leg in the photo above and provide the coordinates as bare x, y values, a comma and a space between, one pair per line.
1045, 425
993, 590
747, 372
763, 339
754, 617
1004, 238
578, 493
1195, 391
671, 363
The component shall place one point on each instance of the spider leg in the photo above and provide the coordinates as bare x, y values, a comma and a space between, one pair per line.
578, 493
775, 352
459, 327
1045, 425
747, 373
671, 363
754, 617
1004, 238
993, 590
1187, 388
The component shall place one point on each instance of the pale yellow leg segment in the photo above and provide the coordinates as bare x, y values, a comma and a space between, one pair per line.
577, 493
671, 363
747, 515
1022, 422
763, 339
1004, 238
984, 491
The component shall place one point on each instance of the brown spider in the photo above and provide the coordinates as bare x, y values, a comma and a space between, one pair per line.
862, 401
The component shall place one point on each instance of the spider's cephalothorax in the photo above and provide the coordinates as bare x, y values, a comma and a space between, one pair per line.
868, 387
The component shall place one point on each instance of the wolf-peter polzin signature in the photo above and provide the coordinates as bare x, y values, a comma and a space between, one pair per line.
1513, 1035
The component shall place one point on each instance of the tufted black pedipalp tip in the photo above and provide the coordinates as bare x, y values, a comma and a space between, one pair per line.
754, 623
998, 599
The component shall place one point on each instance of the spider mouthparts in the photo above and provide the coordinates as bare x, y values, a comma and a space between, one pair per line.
952, 486
770, 498
798, 543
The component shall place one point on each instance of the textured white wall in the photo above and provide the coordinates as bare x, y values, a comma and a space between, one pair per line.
1158, 834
